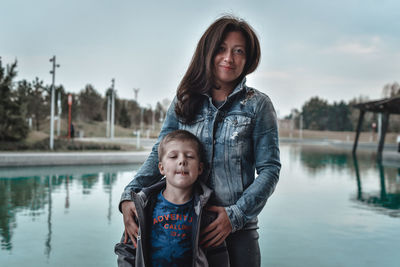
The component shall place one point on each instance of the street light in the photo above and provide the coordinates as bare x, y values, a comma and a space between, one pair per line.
112, 108
53, 72
136, 91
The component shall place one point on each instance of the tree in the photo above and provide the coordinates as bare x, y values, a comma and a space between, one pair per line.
159, 110
124, 119
133, 112
355, 114
319, 115
147, 115
315, 114
339, 117
13, 126
91, 103
33, 98
391, 90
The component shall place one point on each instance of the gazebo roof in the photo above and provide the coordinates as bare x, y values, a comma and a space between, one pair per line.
389, 105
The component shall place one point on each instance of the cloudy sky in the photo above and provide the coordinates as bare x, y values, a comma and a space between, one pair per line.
337, 50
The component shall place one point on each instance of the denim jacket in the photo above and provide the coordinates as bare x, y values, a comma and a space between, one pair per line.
240, 138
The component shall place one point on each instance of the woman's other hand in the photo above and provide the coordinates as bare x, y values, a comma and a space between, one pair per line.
217, 231
131, 228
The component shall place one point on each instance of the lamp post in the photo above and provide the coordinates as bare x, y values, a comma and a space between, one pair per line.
108, 114
136, 91
112, 108
138, 132
59, 111
69, 115
53, 72
153, 118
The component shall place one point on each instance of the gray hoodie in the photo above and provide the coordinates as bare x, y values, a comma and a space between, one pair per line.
144, 201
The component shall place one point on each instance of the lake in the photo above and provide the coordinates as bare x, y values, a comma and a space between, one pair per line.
329, 209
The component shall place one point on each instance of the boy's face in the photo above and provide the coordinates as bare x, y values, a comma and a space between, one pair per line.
180, 164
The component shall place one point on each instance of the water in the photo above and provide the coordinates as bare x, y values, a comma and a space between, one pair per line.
326, 211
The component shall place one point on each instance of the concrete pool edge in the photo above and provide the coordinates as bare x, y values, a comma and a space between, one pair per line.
70, 158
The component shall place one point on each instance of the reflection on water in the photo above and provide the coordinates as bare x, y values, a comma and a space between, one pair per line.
31, 195
25, 194
320, 158
69, 215
386, 197
389, 193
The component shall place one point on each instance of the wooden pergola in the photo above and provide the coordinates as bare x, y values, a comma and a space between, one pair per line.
385, 106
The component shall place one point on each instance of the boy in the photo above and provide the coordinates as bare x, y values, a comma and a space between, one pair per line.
170, 212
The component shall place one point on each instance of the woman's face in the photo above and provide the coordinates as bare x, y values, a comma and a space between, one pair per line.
230, 60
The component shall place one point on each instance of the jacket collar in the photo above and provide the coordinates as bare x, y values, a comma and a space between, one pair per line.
241, 86
200, 188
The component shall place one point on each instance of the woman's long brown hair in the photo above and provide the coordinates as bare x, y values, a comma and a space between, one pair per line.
199, 77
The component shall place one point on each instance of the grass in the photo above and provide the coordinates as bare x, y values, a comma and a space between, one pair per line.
94, 129
61, 144
39, 140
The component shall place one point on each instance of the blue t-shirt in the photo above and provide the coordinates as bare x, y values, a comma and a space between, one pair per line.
171, 233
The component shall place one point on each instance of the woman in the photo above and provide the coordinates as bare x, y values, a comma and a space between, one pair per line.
237, 125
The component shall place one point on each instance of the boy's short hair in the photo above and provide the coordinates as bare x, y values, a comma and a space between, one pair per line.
181, 135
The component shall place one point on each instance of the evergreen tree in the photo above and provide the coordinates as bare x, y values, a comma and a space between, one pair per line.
124, 119
134, 112
339, 117
13, 126
32, 95
315, 114
91, 103
159, 112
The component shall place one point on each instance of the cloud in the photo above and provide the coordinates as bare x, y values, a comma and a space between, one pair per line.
278, 75
372, 45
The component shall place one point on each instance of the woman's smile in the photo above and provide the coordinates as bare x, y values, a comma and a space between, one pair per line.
230, 60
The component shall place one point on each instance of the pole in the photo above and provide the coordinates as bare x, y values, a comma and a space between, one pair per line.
141, 119
112, 108
137, 139
69, 115
381, 144
53, 72
153, 118
379, 125
136, 90
108, 116
359, 124
59, 113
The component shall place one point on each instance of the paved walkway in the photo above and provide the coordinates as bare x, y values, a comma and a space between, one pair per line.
146, 143
12, 159
71, 158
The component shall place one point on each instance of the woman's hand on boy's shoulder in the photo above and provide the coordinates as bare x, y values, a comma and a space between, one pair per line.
217, 231
131, 228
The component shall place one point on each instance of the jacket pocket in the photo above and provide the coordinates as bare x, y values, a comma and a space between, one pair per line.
238, 129
197, 127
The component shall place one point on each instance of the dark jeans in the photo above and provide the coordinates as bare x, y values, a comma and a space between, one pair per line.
243, 249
